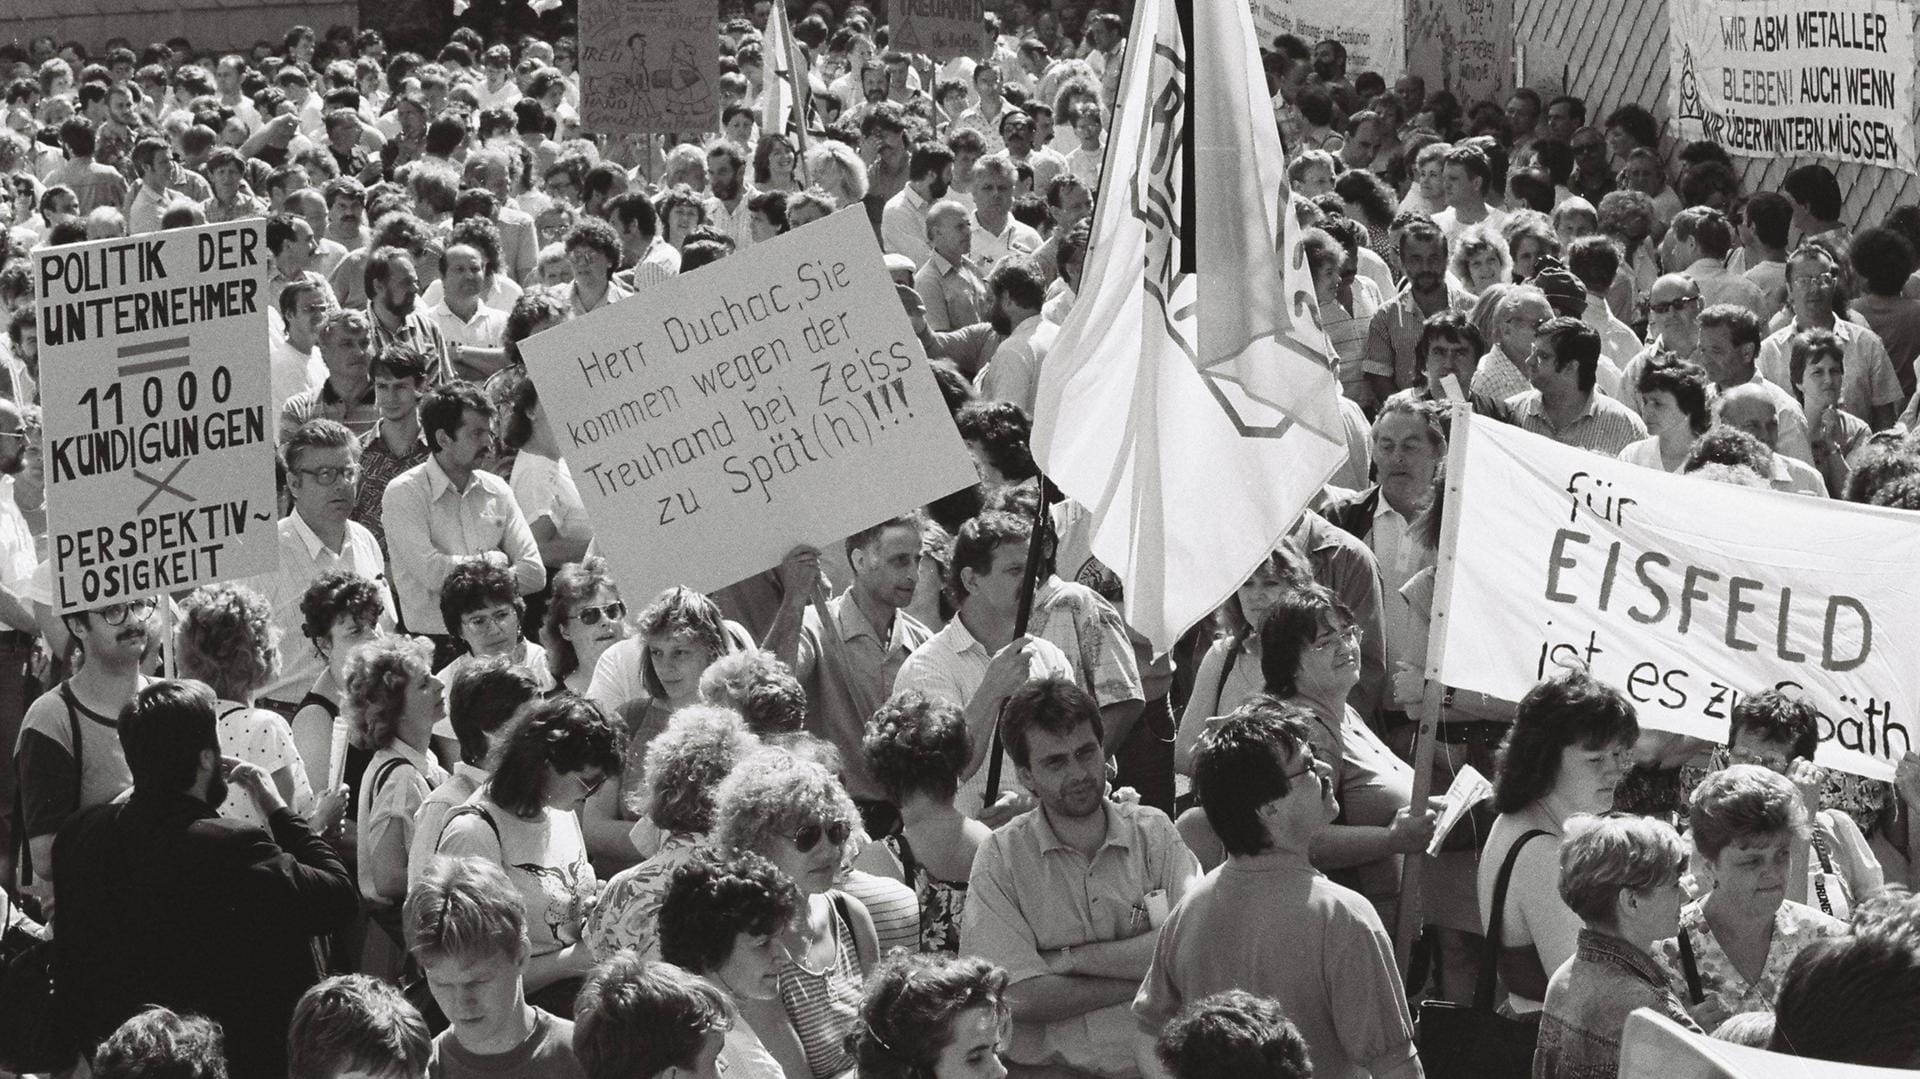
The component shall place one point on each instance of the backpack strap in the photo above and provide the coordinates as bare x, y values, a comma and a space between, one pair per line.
1490, 951
471, 810
23, 848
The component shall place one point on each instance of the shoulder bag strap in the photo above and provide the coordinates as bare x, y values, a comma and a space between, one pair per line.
385, 772
471, 810
1483, 986
1826, 867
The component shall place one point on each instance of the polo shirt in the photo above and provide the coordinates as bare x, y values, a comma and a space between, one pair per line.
1604, 426
950, 665
903, 225
954, 294
433, 527
324, 402
1395, 331
842, 692
304, 559
486, 329
1270, 924
1030, 893
989, 248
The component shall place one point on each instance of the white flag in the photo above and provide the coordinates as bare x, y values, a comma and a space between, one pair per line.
1193, 414
783, 98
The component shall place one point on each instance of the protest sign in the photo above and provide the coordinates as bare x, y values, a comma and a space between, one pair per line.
648, 66
721, 416
1463, 46
156, 403
1683, 593
1374, 31
1653, 1046
942, 29
1792, 78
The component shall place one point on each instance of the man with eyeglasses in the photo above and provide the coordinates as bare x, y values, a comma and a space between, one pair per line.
69, 756
1870, 389
1673, 331
322, 462
1592, 177
1069, 896
1501, 373
1565, 403
1267, 921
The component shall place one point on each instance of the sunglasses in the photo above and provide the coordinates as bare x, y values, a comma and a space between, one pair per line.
836, 833
590, 789
612, 612
1680, 304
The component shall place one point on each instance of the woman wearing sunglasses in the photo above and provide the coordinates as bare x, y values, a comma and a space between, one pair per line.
585, 617
555, 755
934, 1017
794, 813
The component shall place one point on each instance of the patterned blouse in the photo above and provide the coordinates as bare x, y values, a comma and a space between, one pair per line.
941, 902
629, 912
1726, 993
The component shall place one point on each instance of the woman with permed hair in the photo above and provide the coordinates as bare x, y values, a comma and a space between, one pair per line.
338, 612
794, 813
837, 172
723, 917
227, 640
677, 637
684, 765
553, 756
393, 700
933, 1017
917, 747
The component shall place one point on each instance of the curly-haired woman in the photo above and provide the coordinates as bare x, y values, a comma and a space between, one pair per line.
338, 612
916, 747
393, 700
683, 767
934, 1017
227, 641
554, 755
723, 917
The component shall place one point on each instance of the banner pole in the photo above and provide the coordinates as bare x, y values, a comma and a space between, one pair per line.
1437, 700
1029, 583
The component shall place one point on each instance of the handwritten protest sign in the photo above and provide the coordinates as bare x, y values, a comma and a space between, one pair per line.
1463, 46
648, 66
1374, 31
1793, 78
721, 416
159, 434
1683, 593
942, 29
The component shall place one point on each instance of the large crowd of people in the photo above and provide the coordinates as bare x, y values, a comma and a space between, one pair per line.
443, 795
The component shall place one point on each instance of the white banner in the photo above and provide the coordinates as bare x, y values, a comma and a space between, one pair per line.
724, 415
1683, 593
1796, 78
156, 398
1374, 31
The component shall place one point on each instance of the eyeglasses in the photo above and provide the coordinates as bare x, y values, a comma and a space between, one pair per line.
14, 434
1347, 636
590, 616
115, 614
807, 838
500, 619
1307, 768
1681, 304
590, 789
329, 475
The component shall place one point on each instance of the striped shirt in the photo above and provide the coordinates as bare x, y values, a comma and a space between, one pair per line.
893, 906
1347, 333
824, 1006
1604, 426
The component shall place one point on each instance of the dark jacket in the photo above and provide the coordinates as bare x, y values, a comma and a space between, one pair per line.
160, 901
1353, 514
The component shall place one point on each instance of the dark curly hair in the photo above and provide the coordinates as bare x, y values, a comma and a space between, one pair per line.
1233, 1033
917, 744
760, 687
1289, 630
685, 763
1724, 445
1779, 716
1001, 429
1878, 468
1687, 382
475, 586
1573, 709
537, 306
570, 733
335, 596
912, 1002
717, 897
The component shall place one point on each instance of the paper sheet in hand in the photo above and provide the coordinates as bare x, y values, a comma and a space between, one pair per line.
1469, 789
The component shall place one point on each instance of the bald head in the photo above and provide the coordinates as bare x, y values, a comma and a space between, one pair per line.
1673, 303
1751, 409
950, 230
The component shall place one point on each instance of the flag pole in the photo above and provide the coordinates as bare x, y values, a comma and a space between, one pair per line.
1029, 584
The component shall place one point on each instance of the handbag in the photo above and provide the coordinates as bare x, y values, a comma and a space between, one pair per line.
1473, 1041
33, 1035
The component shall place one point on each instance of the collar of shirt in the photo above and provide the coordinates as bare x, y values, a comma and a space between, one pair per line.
913, 198
471, 772
442, 309
958, 640
311, 540
1119, 834
439, 483
417, 757
332, 397
1024, 331
1605, 948
853, 623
